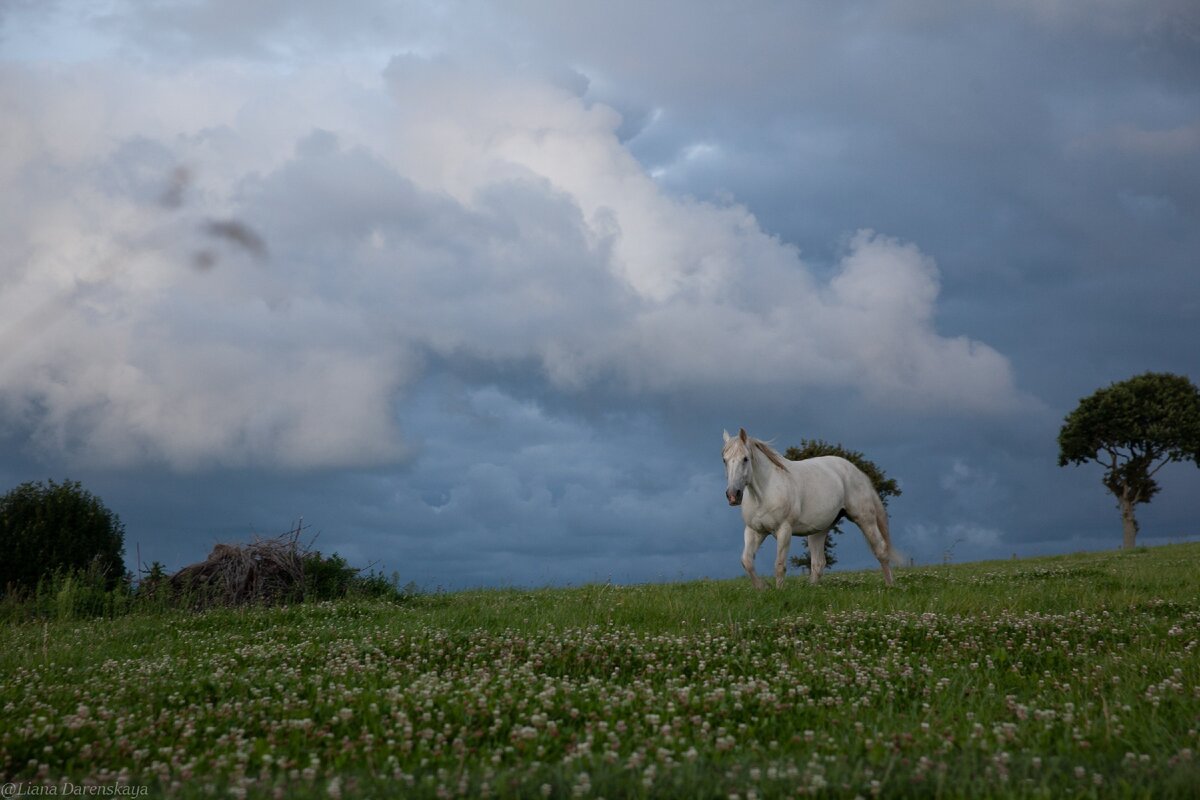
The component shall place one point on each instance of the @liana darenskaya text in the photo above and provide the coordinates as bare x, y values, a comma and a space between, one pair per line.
67, 789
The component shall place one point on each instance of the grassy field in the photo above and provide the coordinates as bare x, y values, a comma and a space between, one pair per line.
1074, 676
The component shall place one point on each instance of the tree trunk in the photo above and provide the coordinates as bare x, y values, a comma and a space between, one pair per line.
1128, 522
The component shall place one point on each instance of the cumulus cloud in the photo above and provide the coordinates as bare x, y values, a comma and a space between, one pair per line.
440, 208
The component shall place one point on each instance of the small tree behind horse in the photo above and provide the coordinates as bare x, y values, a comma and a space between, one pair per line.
780, 498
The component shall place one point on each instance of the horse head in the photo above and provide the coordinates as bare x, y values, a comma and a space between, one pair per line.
738, 465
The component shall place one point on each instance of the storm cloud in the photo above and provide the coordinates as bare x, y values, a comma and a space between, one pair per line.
919, 229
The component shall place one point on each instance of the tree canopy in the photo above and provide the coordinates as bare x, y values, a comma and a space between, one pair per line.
57, 526
1134, 428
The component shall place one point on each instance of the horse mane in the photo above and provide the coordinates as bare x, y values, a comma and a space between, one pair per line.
763, 447
770, 453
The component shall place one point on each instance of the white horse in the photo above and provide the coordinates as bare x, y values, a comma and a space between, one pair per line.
781, 497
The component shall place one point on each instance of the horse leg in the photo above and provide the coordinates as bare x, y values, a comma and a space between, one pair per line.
816, 556
783, 540
869, 525
754, 540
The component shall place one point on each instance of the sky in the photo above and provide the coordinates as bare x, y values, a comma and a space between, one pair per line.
473, 289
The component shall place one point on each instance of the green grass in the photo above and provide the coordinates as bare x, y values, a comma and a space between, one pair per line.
1074, 676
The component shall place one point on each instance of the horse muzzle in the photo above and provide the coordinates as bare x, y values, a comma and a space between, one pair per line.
734, 496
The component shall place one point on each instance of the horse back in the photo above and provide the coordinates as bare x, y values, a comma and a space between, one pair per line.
828, 486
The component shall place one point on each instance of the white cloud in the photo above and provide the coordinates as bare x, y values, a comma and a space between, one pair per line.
447, 208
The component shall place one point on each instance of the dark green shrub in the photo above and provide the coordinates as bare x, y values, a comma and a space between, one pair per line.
326, 577
378, 586
153, 583
331, 578
58, 529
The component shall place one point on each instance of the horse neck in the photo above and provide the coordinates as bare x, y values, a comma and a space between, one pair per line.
762, 472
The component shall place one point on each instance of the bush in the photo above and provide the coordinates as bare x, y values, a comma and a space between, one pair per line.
151, 583
58, 529
378, 586
331, 578
327, 578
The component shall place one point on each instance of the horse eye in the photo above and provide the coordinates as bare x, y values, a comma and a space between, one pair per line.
744, 460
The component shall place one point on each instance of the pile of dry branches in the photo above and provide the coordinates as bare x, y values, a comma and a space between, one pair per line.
264, 571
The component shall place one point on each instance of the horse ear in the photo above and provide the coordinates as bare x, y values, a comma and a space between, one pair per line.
742, 434
726, 435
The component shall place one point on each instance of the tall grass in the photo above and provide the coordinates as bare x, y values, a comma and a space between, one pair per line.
68, 595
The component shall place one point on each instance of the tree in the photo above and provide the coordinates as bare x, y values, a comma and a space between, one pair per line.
885, 486
58, 527
1133, 428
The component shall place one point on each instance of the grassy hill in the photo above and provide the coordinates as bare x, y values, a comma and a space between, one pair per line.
1074, 676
